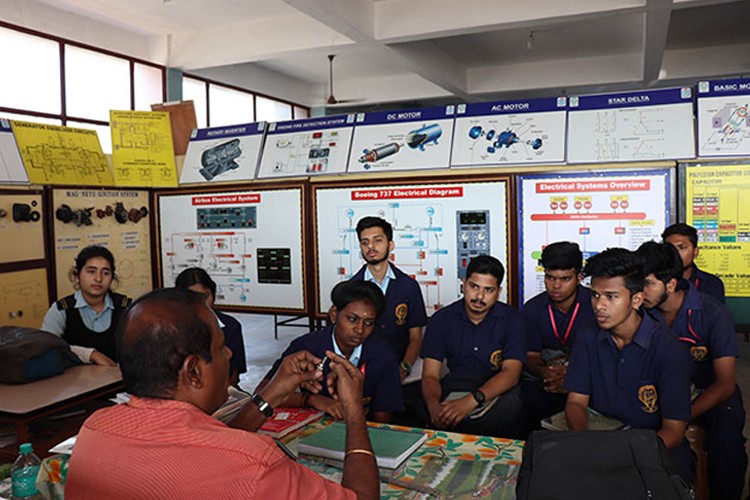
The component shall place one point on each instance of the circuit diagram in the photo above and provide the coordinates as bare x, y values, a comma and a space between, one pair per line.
307, 153
730, 129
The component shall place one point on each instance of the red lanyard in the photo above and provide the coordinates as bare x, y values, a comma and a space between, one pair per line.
563, 340
695, 284
695, 338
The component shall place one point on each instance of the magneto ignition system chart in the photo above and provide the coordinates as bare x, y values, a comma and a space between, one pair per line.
723, 121
438, 228
494, 133
236, 238
636, 126
613, 209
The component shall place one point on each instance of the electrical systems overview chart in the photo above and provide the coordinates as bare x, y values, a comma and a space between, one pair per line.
723, 122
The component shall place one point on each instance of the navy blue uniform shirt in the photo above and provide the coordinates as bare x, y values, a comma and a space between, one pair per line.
707, 283
233, 340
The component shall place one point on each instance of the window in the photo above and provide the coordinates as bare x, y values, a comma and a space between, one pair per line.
271, 110
148, 86
300, 112
30, 118
229, 107
195, 90
95, 83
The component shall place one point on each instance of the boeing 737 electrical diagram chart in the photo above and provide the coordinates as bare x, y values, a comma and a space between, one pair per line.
723, 121
612, 209
237, 237
438, 228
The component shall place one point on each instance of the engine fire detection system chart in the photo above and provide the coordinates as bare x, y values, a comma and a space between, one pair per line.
236, 237
723, 121
510, 132
437, 230
402, 140
635, 126
597, 211
308, 147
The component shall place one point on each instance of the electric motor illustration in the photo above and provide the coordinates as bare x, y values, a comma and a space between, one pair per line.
418, 138
220, 159
375, 154
506, 138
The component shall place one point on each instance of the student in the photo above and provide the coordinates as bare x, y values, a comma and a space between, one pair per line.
484, 344
87, 319
401, 323
163, 443
356, 307
685, 240
554, 319
631, 367
706, 330
198, 280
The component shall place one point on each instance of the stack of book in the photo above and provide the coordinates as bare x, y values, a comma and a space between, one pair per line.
286, 420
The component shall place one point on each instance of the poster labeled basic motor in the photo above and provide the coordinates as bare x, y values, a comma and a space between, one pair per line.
723, 120
11, 165
308, 147
510, 132
402, 140
717, 201
223, 154
597, 211
634, 126
437, 230
237, 237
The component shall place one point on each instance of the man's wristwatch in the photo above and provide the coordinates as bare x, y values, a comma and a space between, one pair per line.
479, 397
262, 405
406, 366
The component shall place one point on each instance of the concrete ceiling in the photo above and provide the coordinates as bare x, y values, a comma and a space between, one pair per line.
425, 51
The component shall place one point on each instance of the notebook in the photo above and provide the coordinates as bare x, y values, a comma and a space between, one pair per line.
597, 422
288, 419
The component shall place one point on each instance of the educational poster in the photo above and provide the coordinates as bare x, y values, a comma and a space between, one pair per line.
23, 298
634, 126
116, 219
61, 155
723, 121
510, 132
11, 165
717, 201
142, 149
437, 229
414, 139
250, 242
597, 211
223, 154
22, 227
308, 147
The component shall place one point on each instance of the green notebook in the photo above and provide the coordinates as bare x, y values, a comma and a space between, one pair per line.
391, 447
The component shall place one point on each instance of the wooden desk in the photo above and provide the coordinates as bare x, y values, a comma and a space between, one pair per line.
25, 403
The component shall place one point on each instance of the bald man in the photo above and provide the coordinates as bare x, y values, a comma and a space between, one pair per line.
165, 444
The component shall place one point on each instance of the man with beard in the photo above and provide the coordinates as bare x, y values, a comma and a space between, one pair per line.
553, 320
484, 344
685, 240
705, 328
401, 323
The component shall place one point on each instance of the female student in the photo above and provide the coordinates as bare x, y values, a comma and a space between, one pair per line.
87, 319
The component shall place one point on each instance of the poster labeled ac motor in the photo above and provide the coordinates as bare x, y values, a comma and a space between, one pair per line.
723, 120
597, 211
718, 206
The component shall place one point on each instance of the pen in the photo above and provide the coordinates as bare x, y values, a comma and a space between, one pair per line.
322, 364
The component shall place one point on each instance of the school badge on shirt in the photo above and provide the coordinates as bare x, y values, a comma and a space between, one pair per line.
699, 353
647, 395
402, 311
496, 359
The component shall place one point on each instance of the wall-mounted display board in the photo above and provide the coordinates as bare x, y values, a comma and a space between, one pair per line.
142, 149
634, 126
510, 132
23, 297
116, 219
308, 147
11, 165
61, 155
250, 242
413, 139
22, 226
223, 154
717, 205
723, 120
595, 210
438, 227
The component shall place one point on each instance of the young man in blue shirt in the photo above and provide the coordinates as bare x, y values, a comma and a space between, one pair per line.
483, 342
631, 367
685, 240
705, 328
356, 307
553, 319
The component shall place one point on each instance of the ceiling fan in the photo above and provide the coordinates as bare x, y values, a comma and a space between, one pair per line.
332, 101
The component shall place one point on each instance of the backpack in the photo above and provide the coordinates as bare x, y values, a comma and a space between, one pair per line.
620, 464
28, 354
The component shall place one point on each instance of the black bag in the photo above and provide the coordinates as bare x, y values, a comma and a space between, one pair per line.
611, 465
28, 354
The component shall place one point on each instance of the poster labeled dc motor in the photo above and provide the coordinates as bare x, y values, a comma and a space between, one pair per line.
437, 230
510, 132
414, 139
723, 120
597, 211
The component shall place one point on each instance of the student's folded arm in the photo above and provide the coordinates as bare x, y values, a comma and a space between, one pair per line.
503, 381
672, 432
431, 390
575, 411
718, 392
534, 363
